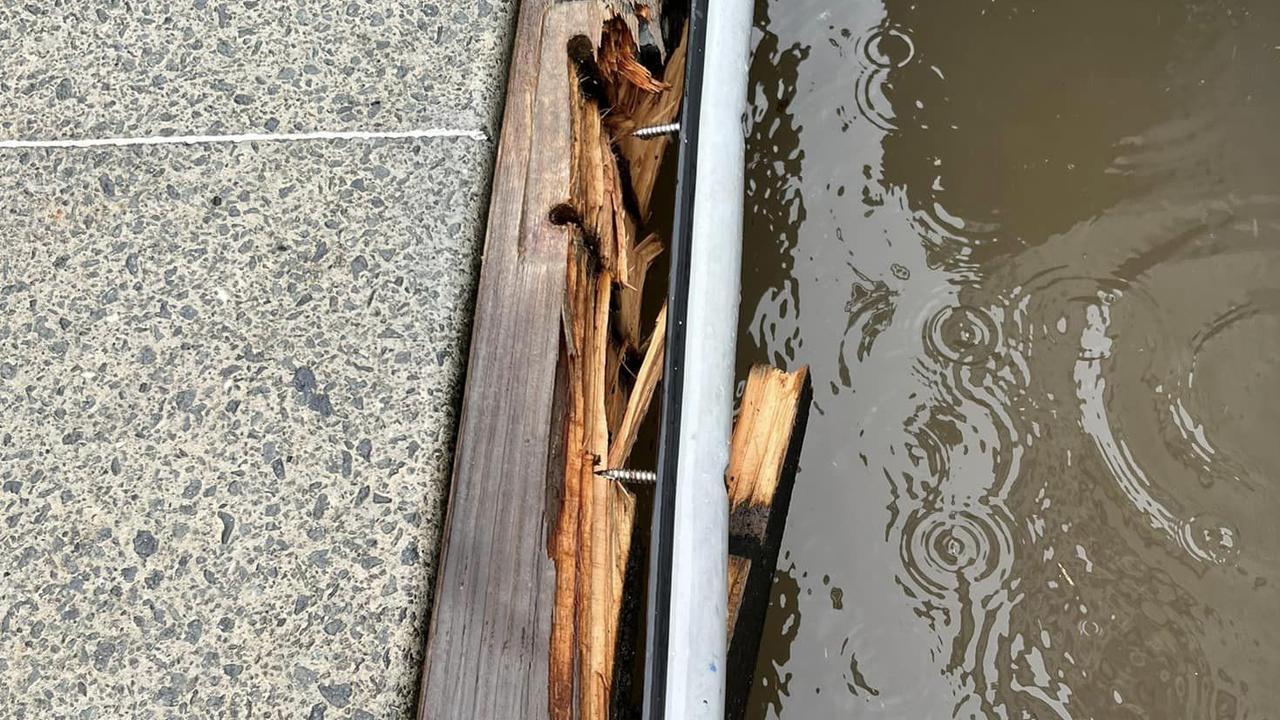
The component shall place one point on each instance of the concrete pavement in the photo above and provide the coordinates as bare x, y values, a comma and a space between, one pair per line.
229, 372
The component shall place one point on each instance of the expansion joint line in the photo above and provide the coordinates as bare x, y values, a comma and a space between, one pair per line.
447, 133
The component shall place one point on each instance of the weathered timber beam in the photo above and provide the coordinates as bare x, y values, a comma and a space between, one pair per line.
489, 635
536, 544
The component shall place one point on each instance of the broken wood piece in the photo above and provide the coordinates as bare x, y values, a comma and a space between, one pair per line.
643, 19
603, 332
594, 536
536, 545
620, 64
600, 508
593, 172
605, 511
631, 296
567, 543
641, 395
619, 386
635, 108
763, 455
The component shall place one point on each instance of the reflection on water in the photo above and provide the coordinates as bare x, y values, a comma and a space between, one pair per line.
1031, 251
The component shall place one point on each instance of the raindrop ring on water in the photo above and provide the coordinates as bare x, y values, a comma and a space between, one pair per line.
944, 550
1089, 628
873, 105
962, 334
1211, 539
888, 48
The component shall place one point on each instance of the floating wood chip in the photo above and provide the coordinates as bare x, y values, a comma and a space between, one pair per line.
763, 455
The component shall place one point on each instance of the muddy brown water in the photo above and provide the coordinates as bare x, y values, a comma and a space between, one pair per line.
1031, 252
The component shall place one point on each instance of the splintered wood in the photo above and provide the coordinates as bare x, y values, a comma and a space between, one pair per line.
560, 373
641, 395
607, 397
762, 460
762, 438
636, 106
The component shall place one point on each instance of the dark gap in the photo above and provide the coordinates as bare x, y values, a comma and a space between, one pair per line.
558, 442
582, 53
590, 244
625, 703
651, 58
674, 14
564, 214
629, 200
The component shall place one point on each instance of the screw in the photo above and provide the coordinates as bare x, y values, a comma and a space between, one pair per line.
637, 477
654, 131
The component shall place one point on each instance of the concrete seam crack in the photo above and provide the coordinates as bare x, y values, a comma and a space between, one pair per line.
477, 135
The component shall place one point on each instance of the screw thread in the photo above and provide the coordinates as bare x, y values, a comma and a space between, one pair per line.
656, 130
641, 477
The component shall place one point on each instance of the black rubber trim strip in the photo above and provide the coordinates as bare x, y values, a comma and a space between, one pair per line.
657, 631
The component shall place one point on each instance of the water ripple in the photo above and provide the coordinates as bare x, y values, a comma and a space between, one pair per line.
887, 47
948, 551
962, 334
870, 95
881, 51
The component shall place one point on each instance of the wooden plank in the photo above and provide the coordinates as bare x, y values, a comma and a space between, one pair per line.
536, 544
489, 637
763, 454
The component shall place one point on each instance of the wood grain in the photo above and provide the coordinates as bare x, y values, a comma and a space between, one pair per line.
763, 455
762, 435
536, 544
588, 435
641, 395
489, 635
600, 394
643, 19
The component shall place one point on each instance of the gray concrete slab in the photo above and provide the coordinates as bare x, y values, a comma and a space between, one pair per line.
228, 381
106, 68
